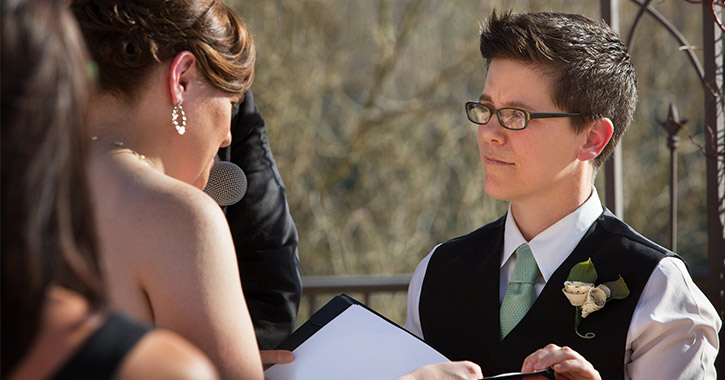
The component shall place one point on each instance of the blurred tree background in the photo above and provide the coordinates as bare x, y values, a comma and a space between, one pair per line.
363, 101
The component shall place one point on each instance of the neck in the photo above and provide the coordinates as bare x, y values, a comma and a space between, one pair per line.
533, 216
116, 128
119, 151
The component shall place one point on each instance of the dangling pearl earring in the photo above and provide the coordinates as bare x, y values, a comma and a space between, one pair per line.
178, 110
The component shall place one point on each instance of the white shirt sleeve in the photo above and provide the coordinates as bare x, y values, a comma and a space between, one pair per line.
412, 320
674, 329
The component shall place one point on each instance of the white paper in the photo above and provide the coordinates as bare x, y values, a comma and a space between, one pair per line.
357, 345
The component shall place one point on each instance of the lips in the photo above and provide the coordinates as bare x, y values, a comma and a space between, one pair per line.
495, 161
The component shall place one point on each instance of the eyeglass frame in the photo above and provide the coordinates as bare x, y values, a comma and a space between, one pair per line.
529, 115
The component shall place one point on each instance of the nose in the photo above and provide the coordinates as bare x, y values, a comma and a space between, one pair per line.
492, 133
227, 140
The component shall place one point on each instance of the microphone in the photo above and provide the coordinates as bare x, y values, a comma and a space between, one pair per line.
227, 183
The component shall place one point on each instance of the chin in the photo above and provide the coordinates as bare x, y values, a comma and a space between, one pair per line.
201, 181
203, 177
495, 190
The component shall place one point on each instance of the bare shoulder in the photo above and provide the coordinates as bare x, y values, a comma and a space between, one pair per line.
185, 205
180, 231
167, 216
189, 223
145, 208
162, 354
157, 233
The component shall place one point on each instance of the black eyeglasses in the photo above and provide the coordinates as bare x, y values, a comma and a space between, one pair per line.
509, 117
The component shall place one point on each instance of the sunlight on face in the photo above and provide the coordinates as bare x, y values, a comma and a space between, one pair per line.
533, 163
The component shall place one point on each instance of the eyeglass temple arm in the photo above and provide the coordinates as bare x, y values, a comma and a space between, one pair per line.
551, 115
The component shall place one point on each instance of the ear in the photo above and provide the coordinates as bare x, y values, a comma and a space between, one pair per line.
180, 75
597, 137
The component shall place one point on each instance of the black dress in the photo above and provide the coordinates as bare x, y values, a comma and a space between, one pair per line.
101, 354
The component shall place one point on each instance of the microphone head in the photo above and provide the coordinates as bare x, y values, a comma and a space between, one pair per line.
227, 183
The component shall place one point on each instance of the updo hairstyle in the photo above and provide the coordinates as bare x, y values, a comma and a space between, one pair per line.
128, 38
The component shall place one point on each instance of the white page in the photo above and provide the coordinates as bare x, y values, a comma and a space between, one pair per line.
357, 345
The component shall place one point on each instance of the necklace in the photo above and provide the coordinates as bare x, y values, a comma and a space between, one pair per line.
120, 144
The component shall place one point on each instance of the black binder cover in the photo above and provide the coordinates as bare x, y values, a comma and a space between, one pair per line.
322, 317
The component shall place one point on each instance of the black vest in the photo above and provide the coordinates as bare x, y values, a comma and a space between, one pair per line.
459, 301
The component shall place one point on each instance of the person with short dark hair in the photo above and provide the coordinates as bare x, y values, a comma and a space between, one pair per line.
559, 281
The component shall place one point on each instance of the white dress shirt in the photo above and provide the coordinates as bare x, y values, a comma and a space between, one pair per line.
673, 333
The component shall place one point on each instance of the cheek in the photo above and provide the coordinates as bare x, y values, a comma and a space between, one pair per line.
222, 120
548, 156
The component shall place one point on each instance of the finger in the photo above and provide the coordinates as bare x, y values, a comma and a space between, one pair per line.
577, 369
538, 359
558, 355
472, 369
276, 356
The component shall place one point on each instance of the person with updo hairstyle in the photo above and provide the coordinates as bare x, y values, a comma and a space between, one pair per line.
55, 319
170, 73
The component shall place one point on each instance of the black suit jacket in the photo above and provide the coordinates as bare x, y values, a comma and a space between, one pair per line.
264, 233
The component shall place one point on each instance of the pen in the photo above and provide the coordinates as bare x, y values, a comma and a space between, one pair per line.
548, 373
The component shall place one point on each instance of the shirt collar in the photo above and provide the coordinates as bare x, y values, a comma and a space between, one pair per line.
553, 245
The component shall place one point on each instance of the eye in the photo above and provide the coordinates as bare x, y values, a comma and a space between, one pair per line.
235, 109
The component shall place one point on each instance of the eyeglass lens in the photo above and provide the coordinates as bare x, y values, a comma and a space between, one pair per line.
512, 118
508, 117
479, 113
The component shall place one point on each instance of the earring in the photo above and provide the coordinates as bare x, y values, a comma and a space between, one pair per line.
177, 113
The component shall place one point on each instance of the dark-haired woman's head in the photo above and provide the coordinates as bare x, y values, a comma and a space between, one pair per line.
48, 235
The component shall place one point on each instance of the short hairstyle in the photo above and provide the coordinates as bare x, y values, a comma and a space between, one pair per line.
594, 74
128, 38
48, 235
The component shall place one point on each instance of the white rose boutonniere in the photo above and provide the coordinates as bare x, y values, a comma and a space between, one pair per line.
588, 298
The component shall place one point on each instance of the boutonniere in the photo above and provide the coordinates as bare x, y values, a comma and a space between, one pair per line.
580, 290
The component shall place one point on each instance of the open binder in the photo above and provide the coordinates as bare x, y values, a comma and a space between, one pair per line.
346, 339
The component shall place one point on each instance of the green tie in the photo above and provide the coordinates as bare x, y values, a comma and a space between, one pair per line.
520, 294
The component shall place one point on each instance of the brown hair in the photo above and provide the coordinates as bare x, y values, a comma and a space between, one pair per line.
127, 38
595, 76
48, 235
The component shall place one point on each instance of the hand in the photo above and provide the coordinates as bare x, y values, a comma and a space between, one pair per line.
270, 357
463, 370
567, 363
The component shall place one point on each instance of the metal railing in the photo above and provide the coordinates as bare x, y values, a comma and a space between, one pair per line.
312, 287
